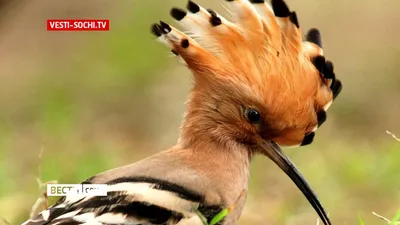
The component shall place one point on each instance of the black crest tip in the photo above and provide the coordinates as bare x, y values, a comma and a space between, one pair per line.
280, 8
294, 20
308, 139
336, 88
319, 63
321, 117
314, 36
156, 30
329, 66
165, 27
192, 7
178, 13
328, 70
214, 20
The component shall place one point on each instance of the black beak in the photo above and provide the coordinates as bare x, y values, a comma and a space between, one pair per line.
275, 153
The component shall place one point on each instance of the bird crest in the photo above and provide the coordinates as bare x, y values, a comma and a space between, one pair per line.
259, 57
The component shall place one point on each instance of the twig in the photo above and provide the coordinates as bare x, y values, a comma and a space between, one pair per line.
381, 217
40, 161
393, 136
42, 203
385, 219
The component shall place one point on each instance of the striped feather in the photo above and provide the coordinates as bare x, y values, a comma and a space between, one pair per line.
130, 200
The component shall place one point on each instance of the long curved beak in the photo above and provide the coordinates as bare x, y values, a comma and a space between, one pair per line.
275, 153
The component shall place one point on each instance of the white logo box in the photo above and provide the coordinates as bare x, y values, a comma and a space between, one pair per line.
76, 189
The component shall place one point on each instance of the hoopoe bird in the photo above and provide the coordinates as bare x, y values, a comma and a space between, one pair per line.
257, 86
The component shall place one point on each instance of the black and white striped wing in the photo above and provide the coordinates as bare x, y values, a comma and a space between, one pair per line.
133, 201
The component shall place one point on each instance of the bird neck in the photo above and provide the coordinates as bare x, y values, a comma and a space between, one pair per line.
211, 143
203, 125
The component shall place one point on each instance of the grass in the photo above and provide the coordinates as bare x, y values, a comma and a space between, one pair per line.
220, 216
394, 221
216, 219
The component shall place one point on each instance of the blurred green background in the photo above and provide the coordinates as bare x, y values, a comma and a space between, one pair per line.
96, 100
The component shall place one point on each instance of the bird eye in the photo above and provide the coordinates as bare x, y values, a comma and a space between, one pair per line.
253, 116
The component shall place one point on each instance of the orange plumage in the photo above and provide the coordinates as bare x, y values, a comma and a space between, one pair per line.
258, 62
257, 85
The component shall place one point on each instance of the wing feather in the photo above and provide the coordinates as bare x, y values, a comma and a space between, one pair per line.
130, 200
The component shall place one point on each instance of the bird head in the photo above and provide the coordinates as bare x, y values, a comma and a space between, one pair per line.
256, 81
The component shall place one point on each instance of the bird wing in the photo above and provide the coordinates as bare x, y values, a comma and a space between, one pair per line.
148, 192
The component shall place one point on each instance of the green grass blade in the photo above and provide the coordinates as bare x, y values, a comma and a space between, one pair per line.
202, 218
220, 216
359, 219
396, 217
